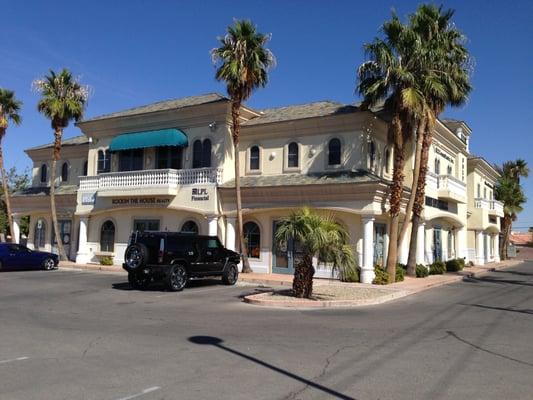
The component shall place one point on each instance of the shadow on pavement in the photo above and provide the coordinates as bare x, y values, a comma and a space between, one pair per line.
217, 342
517, 310
508, 271
161, 287
494, 280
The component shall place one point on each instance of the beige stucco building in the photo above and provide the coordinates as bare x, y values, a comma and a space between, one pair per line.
170, 166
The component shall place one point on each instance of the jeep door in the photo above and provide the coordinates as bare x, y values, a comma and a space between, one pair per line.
212, 255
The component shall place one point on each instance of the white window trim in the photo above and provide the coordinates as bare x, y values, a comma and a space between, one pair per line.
248, 170
286, 167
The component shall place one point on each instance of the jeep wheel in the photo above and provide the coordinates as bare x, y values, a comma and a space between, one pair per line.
48, 264
177, 278
230, 275
136, 255
138, 281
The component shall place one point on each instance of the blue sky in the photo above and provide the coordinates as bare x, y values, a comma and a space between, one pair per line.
136, 52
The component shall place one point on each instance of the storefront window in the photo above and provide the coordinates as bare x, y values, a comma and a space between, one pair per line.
252, 238
107, 237
168, 157
190, 227
143, 225
131, 160
39, 234
334, 152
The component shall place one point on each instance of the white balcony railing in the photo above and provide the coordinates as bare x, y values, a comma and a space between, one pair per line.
158, 178
482, 203
496, 207
432, 180
452, 188
493, 207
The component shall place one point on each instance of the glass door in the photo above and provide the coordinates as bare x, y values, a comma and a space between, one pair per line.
379, 244
65, 227
283, 257
437, 244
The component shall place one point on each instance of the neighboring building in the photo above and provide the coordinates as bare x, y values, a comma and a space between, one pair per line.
170, 166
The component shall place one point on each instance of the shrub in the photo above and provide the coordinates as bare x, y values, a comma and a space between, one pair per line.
462, 262
421, 271
402, 266
349, 275
400, 272
470, 263
437, 268
382, 278
454, 265
106, 260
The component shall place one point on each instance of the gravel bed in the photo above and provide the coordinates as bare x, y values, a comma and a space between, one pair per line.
332, 292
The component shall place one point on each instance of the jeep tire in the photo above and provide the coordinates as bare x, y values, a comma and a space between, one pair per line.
230, 275
136, 256
177, 277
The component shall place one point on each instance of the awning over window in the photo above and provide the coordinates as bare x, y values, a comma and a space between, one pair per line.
141, 140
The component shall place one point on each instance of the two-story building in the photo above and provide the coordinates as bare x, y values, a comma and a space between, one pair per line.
170, 166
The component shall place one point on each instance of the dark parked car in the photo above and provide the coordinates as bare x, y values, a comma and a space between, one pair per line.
18, 256
175, 257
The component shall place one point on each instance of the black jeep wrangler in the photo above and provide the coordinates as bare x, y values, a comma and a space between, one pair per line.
175, 257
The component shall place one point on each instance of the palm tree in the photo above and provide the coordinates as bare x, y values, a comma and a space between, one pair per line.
319, 237
242, 62
63, 99
509, 191
9, 111
444, 79
389, 75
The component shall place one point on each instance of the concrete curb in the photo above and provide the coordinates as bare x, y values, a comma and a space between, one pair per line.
94, 268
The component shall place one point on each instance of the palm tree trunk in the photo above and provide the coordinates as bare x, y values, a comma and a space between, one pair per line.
416, 172
57, 150
396, 192
420, 195
6, 192
506, 229
235, 112
302, 283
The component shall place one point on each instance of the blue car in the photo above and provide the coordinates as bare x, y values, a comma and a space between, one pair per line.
17, 256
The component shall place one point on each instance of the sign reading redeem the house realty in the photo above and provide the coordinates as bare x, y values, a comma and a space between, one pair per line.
140, 201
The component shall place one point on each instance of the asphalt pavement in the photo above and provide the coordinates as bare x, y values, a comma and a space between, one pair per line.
86, 335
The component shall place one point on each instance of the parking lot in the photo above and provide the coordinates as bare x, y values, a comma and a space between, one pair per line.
86, 335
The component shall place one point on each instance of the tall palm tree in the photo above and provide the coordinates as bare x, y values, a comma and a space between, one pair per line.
509, 191
63, 99
242, 62
444, 79
319, 237
389, 75
9, 111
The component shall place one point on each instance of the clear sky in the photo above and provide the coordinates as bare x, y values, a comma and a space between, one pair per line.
136, 52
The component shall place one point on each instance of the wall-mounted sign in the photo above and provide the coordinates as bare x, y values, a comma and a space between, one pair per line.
444, 155
199, 194
140, 201
88, 199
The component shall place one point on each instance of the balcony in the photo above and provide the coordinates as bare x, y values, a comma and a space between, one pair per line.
432, 181
451, 188
152, 182
493, 207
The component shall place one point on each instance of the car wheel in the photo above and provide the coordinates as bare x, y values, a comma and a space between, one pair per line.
177, 278
136, 255
139, 281
230, 275
49, 264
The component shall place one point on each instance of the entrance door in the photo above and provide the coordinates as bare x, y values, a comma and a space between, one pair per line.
437, 244
284, 258
65, 227
379, 244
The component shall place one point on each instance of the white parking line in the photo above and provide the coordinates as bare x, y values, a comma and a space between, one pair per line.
145, 391
13, 359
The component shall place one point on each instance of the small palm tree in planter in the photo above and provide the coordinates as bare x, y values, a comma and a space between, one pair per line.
319, 237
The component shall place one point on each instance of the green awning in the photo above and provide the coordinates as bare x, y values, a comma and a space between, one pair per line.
141, 140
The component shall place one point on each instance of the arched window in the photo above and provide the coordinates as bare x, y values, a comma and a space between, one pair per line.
85, 168
449, 170
334, 152
292, 155
387, 161
64, 172
190, 227
197, 154
252, 239
437, 166
206, 153
39, 237
104, 161
44, 173
254, 158
107, 236
371, 155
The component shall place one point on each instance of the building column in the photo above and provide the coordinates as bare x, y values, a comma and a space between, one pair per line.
421, 243
83, 256
403, 249
15, 235
444, 244
429, 245
460, 243
367, 268
480, 258
497, 247
212, 222
230, 232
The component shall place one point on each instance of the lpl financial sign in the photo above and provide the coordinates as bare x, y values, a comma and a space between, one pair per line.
199, 194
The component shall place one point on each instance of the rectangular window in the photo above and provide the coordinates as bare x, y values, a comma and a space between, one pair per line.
440, 204
104, 161
144, 225
131, 160
168, 157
